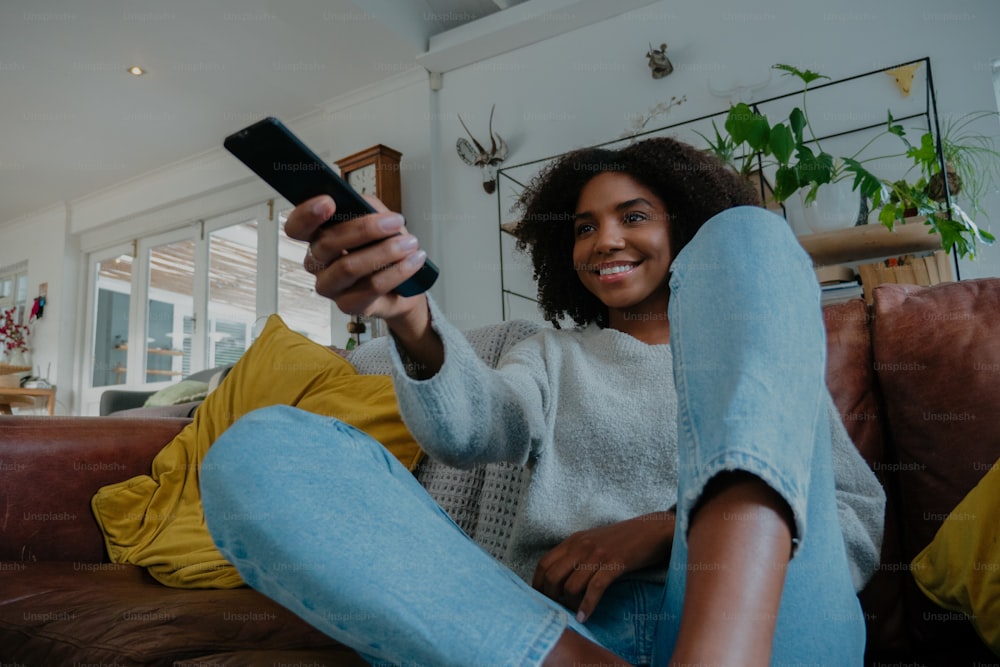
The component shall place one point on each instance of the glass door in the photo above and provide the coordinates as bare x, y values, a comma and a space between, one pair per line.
111, 274
232, 290
166, 352
172, 304
301, 308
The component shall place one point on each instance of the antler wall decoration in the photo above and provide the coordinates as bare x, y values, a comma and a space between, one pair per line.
486, 160
742, 88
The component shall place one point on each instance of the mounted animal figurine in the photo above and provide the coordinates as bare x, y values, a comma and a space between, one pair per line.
903, 76
486, 160
658, 61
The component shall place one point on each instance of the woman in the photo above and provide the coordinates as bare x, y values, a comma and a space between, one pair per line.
691, 394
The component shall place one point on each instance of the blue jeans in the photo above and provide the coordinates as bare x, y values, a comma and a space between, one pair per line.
322, 519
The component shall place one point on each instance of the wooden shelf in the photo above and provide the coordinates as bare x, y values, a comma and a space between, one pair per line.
11, 396
870, 242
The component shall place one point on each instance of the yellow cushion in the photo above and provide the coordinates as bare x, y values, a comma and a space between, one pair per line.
960, 568
156, 520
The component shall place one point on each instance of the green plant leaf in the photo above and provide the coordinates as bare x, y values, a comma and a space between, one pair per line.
925, 155
813, 169
797, 119
781, 143
952, 235
865, 182
807, 76
737, 121
758, 133
786, 182
747, 126
722, 147
890, 213
896, 129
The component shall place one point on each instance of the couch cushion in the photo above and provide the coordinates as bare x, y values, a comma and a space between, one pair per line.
90, 613
156, 520
850, 377
937, 358
49, 470
184, 391
960, 568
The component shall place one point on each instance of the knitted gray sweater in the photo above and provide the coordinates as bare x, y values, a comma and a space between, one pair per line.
593, 412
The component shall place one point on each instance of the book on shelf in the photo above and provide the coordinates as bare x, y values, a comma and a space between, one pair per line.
841, 291
907, 270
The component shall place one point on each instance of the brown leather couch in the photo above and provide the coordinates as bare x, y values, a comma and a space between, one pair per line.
916, 377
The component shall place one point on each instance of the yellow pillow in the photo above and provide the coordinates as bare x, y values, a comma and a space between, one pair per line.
960, 568
156, 521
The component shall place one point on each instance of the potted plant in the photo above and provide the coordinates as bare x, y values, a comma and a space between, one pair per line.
972, 160
971, 166
801, 166
13, 339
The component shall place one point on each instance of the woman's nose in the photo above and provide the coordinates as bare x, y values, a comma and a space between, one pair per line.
609, 238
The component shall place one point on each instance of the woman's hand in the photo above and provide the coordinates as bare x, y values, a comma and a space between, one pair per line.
359, 262
578, 571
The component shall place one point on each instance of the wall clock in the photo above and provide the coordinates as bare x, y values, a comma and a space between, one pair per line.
375, 171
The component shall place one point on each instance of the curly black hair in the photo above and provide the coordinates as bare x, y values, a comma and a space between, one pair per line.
693, 184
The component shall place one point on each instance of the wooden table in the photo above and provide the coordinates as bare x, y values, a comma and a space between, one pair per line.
10, 396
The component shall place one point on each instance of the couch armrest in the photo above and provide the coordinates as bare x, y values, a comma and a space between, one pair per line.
113, 400
50, 468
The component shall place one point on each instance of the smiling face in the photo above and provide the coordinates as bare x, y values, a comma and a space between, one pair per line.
621, 249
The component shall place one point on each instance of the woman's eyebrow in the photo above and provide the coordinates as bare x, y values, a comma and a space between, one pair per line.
632, 202
618, 207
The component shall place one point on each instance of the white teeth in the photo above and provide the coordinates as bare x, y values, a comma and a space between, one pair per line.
610, 270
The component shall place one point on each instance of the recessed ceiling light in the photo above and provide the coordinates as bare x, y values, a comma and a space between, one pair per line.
135, 70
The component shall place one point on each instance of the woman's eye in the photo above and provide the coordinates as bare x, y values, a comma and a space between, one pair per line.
582, 229
634, 216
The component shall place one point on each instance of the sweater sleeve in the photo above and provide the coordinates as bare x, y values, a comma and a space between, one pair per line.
468, 413
860, 503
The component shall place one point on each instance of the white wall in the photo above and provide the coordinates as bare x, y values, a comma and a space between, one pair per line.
585, 87
52, 258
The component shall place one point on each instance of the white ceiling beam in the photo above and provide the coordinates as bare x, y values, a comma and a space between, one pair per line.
515, 27
407, 19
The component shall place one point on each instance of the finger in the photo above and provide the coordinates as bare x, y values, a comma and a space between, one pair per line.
596, 587
553, 578
331, 242
306, 218
355, 280
311, 263
538, 579
576, 582
360, 298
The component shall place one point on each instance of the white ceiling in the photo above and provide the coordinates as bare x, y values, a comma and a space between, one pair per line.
73, 121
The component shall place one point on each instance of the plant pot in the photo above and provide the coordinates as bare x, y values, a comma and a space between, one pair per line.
19, 358
836, 206
796, 216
